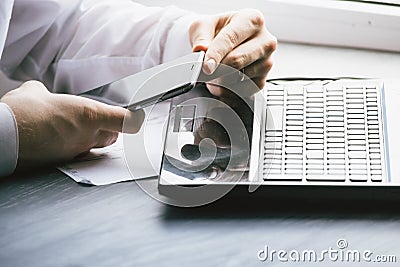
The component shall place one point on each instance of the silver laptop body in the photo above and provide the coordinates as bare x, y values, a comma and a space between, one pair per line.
324, 138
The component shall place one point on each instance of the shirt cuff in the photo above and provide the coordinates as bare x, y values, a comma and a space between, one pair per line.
8, 141
178, 42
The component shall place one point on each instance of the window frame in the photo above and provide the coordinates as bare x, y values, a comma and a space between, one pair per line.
321, 22
337, 23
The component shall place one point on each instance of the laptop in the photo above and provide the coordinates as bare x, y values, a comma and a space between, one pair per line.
317, 138
298, 138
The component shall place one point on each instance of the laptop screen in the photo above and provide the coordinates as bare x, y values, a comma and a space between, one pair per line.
208, 137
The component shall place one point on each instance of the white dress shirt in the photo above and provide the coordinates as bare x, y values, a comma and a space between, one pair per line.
73, 46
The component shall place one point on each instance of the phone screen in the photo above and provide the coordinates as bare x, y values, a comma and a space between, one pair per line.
152, 85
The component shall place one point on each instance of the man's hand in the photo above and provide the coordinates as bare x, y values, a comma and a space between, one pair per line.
237, 39
54, 127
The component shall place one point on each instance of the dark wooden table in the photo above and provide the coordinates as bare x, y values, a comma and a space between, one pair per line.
46, 219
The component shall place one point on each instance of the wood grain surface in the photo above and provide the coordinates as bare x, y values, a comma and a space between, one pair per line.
46, 219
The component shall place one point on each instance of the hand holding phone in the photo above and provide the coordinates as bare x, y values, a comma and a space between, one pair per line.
153, 85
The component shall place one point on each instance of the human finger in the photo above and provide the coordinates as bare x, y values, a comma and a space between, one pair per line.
112, 118
228, 86
262, 46
259, 81
258, 69
241, 27
256, 72
201, 33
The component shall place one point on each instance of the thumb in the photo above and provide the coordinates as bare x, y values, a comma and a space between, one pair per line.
118, 119
202, 33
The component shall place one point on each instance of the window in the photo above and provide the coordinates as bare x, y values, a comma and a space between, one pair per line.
362, 24
331, 22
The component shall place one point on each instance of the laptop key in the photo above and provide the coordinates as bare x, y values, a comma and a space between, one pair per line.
295, 91
294, 150
274, 118
294, 138
376, 178
314, 154
314, 146
358, 177
357, 154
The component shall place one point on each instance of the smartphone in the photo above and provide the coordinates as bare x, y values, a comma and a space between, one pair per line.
174, 78
152, 85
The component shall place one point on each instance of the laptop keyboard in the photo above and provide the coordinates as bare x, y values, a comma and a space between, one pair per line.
324, 132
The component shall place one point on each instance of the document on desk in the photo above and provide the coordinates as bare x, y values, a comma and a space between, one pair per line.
109, 165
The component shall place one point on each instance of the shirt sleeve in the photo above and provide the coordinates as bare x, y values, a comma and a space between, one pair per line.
74, 46
8, 141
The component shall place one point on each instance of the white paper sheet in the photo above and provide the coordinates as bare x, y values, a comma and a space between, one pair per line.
109, 165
